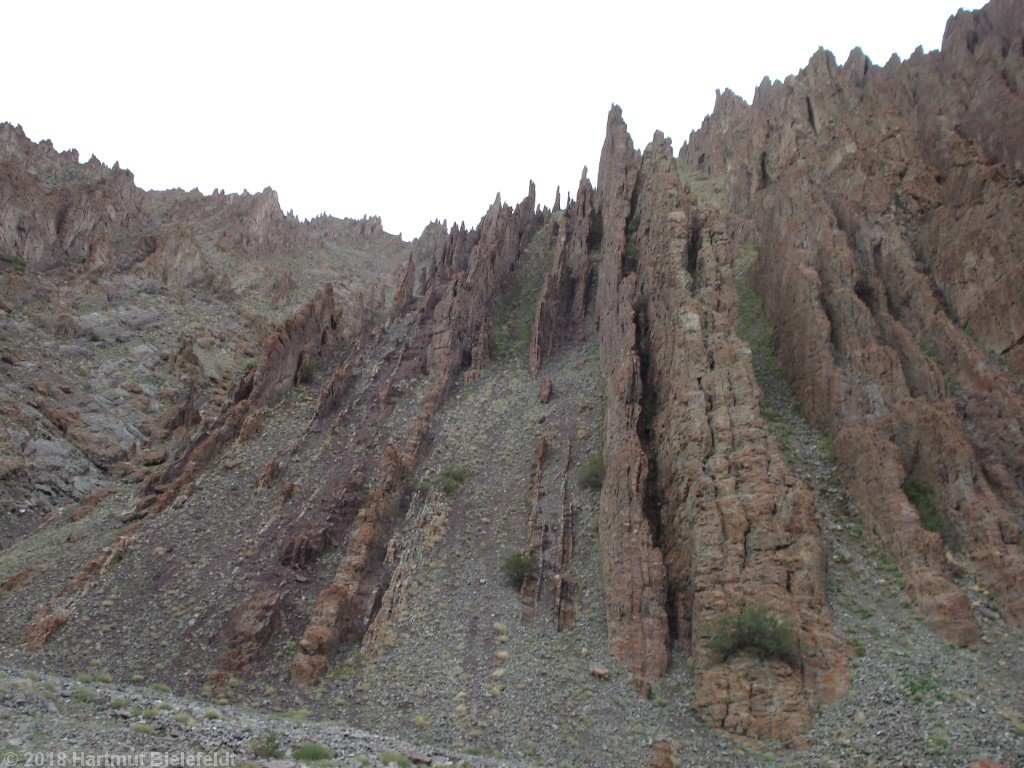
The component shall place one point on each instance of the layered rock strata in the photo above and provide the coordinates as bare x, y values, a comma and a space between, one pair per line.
562, 308
633, 567
886, 203
700, 516
464, 280
302, 340
737, 527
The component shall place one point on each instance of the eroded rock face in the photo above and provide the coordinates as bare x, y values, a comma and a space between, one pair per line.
467, 272
632, 565
886, 205
55, 211
249, 628
98, 278
737, 527
464, 285
180, 263
561, 311
46, 620
700, 514
989, 109
306, 336
403, 291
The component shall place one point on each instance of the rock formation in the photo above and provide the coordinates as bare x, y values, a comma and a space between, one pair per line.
302, 339
700, 514
55, 211
562, 307
466, 278
293, 459
880, 200
632, 564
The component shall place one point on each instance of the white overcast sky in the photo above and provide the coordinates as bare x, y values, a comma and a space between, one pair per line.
412, 110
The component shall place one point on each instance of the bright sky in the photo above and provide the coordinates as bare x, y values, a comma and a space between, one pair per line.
408, 110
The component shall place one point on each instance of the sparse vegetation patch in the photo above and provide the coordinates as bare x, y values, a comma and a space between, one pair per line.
390, 757
452, 479
754, 629
517, 567
311, 752
513, 319
931, 518
15, 261
307, 371
591, 474
269, 747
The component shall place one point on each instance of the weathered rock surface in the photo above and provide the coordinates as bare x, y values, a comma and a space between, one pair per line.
736, 526
465, 279
563, 304
886, 203
403, 292
208, 275
340, 479
634, 570
248, 629
700, 514
55, 211
303, 339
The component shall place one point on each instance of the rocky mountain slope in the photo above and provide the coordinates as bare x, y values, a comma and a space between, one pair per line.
773, 382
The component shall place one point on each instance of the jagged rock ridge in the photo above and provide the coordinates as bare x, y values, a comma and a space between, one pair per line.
885, 202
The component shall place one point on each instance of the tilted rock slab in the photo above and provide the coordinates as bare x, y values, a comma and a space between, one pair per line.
465, 279
887, 203
307, 335
633, 570
700, 515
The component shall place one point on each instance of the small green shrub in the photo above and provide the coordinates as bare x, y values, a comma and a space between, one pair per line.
311, 753
892, 568
15, 261
269, 747
144, 728
389, 756
630, 260
920, 685
85, 695
754, 629
452, 479
307, 371
517, 567
931, 518
592, 472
